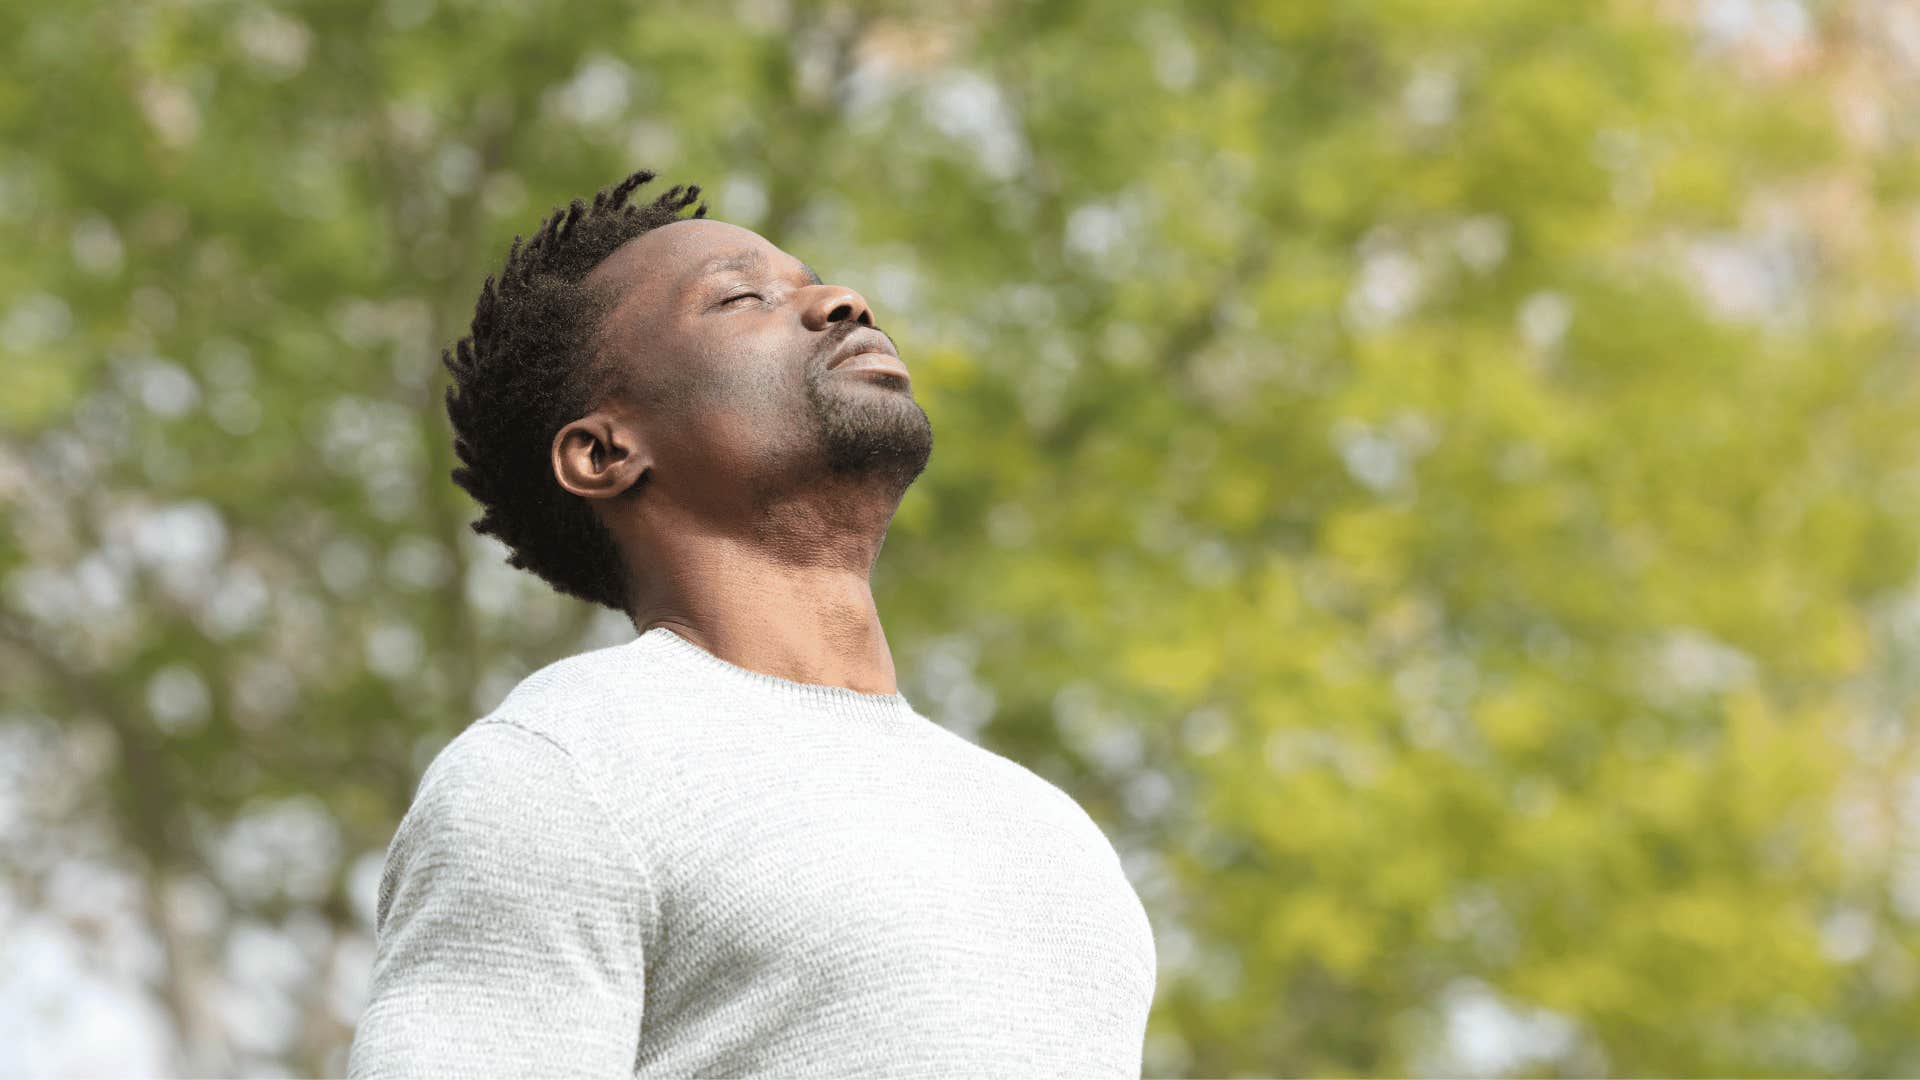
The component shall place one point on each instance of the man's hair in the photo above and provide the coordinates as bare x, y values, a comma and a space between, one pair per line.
527, 369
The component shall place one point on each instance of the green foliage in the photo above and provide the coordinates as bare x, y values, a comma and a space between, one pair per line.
1433, 478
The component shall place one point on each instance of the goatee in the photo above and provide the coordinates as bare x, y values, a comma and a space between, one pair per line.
877, 431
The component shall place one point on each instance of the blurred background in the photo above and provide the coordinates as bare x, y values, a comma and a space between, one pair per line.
1437, 480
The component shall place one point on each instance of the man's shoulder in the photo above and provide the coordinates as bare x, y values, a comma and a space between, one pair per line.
601, 704
507, 763
575, 701
488, 773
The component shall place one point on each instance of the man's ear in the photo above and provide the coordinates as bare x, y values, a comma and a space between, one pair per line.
599, 456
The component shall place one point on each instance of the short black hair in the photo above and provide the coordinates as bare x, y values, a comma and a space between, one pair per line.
527, 369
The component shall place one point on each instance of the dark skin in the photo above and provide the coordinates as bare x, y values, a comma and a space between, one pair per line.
748, 462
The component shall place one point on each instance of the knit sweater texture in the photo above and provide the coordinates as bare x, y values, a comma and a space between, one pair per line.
649, 861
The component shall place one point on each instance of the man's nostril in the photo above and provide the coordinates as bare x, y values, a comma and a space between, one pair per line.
840, 313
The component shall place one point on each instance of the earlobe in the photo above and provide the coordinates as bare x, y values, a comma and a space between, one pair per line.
598, 456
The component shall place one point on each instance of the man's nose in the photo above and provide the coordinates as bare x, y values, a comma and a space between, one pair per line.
830, 304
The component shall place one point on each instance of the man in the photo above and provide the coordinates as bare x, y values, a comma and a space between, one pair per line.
730, 846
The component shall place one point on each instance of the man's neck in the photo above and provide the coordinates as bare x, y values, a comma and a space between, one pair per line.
813, 622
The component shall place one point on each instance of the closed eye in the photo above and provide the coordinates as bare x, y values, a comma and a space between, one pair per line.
741, 296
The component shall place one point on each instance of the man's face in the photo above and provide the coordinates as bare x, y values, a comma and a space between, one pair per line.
725, 344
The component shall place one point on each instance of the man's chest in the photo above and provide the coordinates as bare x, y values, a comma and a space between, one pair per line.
918, 897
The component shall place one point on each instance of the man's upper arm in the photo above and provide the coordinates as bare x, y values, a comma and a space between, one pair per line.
512, 918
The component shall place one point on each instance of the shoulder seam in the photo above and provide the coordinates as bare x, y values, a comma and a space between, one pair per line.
606, 811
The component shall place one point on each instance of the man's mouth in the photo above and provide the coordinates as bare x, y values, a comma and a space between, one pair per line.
872, 361
869, 350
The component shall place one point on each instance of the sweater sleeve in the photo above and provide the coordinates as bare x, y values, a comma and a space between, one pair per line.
511, 921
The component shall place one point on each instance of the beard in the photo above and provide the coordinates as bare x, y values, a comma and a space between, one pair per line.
875, 433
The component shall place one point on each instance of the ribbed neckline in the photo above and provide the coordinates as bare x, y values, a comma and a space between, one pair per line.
837, 701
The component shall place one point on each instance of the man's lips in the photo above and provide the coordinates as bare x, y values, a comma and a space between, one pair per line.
869, 351
872, 361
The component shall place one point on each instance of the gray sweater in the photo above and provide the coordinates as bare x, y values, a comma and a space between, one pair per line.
650, 861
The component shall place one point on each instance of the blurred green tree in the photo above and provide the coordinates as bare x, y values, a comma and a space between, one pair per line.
1435, 479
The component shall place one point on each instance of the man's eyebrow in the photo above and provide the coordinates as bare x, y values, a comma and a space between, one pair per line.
744, 260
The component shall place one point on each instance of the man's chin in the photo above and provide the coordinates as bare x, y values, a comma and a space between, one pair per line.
891, 439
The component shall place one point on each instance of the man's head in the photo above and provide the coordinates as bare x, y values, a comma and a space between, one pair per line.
629, 353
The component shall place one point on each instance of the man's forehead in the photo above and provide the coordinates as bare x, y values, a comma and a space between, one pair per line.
685, 251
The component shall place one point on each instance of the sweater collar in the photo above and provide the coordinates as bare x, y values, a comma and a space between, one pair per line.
834, 700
